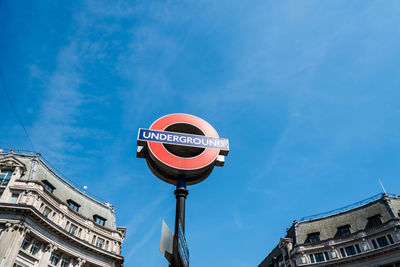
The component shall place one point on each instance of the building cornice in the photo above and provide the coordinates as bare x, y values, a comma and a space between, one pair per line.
28, 211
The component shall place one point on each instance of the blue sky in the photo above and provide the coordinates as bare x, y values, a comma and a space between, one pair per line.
307, 92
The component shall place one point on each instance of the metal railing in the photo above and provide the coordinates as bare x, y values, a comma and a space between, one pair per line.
346, 208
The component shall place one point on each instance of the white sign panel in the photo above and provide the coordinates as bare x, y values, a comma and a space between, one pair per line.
166, 241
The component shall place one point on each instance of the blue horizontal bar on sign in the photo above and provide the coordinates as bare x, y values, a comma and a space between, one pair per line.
183, 139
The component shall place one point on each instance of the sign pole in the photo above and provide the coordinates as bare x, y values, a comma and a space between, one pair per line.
180, 193
180, 149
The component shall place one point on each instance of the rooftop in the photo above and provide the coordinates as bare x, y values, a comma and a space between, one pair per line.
346, 208
65, 189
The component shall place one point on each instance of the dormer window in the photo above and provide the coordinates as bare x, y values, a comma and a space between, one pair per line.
343, 230
73, 205
5, 176
99, 220
374, 221
48, 186
312, 237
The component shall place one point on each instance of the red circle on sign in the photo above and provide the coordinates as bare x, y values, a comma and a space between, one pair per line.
207, 157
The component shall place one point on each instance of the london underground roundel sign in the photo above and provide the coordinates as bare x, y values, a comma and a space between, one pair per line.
181, 146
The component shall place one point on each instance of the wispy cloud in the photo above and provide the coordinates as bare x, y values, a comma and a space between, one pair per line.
143, 240
237, 220
141, 216
54, 132
139, 222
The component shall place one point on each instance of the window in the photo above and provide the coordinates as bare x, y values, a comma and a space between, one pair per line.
99, 220
312, 258
46, 211
34, 248
64, 262
48, 186
14, 198
319, 257
5, 176
312, 238
350, 251
343, 230
99, 242
374, 244
342, 252
390, 239
25, 244
73, 205
72, 229
382, 241
358, 248
374, 221
54, 258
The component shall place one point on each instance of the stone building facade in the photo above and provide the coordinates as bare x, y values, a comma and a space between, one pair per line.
47, 222
360, 235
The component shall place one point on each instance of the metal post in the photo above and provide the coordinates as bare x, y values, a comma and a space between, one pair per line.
180, 193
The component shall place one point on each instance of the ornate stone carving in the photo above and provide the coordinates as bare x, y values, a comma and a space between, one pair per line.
80, 262
21, 227
51, 247
364, 245
334, 253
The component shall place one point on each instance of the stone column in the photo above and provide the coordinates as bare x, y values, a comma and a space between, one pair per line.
10, 243
286, 246
45, 259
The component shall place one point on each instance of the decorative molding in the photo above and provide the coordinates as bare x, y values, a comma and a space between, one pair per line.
12, 162
50, 247
80, 261
17, 226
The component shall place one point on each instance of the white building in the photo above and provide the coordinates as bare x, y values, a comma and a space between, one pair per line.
47, 222
364, 234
